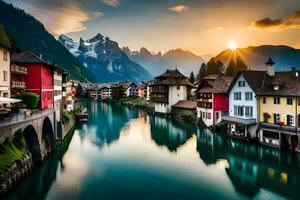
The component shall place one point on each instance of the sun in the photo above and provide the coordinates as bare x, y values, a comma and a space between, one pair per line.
232, 45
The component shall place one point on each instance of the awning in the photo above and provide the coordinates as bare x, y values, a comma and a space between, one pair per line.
9, 100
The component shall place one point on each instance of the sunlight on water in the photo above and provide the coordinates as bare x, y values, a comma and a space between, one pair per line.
123, 153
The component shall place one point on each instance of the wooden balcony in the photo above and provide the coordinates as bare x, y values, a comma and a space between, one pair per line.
204, 104
159, 99
292, 130
18, 84
15, 69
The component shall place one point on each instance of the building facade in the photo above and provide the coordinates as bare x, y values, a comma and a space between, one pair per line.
39, 79
18, 74
242, 118
68, 92
4, 72
167, 89
212, 100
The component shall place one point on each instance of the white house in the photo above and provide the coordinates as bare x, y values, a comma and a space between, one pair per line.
169, 88
242, 118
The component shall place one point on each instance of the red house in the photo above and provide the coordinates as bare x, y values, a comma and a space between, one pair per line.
39, 78
212, 98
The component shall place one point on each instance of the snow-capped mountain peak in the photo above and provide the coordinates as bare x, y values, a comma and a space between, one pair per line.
104, 56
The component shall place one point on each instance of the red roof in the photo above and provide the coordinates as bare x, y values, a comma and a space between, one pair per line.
186, 104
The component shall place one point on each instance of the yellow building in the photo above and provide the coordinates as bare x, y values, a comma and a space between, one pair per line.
279, 110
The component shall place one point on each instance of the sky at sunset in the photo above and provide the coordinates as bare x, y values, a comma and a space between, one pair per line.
201, 26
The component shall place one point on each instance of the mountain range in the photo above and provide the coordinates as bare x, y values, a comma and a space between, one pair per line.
156, 63
255, 57
28, 34
104, 57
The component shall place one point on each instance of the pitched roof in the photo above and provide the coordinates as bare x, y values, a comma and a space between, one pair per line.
270, 61
263, 84
173, 81
186, 104
171, 74
27, 57
219, 85
4, 46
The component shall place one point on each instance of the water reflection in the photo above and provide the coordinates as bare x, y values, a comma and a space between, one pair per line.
171, 134
106, 122
251, 168
123, 153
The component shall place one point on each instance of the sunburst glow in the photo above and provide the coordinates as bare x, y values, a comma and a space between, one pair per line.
232, 45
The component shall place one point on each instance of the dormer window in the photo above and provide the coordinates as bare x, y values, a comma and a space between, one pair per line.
241, 83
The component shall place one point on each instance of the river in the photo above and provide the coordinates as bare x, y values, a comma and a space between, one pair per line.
123, 153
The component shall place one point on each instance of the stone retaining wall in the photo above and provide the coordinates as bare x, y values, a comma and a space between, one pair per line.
14, 174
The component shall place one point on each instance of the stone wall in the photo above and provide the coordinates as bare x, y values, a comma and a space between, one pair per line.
14, 174
68, 126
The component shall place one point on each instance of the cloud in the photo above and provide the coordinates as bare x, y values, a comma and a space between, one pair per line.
295, 15
179, 8
60, 16
114, 3
289, 22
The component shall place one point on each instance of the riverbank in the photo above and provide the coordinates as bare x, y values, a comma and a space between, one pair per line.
16, 160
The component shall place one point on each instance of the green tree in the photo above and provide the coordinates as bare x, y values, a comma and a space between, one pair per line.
201, 72
118, 92
235, 65
214, 67
31, 100
4, 39
192, 77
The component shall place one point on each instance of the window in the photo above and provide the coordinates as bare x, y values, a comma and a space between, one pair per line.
4, 75
5, 55
208, 115
276, 118
237, 96
264, 100
178, 87
238, 111
248, 96
248, 111
289, 101
290, 120
241, 83
217, 116
276, 100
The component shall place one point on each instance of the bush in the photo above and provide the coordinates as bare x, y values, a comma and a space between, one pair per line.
31, 100
185, 115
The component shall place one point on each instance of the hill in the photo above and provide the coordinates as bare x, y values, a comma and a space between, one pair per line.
28, 34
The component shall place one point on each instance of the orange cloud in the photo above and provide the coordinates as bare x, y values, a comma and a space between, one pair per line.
295, 15
179, 8
290, 22
63, 18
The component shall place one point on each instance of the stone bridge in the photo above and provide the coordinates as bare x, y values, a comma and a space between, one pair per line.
38, 131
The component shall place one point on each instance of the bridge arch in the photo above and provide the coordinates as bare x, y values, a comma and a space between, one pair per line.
48, 137
32, 142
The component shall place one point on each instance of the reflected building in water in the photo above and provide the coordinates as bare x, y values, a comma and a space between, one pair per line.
169, 133
106, 122
251, 167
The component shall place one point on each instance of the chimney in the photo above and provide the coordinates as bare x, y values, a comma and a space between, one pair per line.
270, 67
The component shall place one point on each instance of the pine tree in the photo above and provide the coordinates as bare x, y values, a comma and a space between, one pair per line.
192, 77
235, 65
201, 72
4, 39
214, 67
